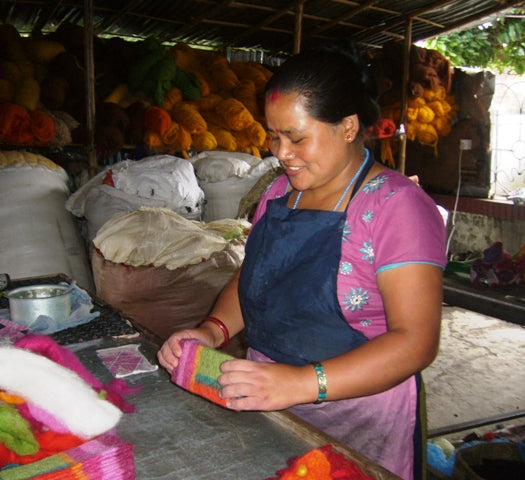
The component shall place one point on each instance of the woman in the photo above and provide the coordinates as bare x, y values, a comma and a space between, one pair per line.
341, 288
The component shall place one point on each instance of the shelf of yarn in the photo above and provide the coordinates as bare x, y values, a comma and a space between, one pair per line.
146, 94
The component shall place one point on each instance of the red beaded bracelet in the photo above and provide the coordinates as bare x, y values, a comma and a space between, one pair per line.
223, 328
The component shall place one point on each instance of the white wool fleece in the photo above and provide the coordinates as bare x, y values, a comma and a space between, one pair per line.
57, 390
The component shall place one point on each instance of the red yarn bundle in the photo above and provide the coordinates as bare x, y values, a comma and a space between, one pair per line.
157, 120
384, 128
19, 126
42, 126
15, 124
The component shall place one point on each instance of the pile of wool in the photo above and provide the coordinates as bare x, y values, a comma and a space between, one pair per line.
40, 82
212, 103
431, 108
185, 99
430, 116
227, 115
428, 70
210, 123
17, 69
111, 127
322, 463
9, 158
50, 402
25, 127
155, 73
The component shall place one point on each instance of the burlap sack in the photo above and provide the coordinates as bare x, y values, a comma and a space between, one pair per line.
161, 300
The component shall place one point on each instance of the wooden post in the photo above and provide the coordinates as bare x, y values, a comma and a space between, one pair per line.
404, 96
298, 27
90, 87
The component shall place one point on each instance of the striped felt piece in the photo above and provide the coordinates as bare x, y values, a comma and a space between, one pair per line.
199, 369
105, 458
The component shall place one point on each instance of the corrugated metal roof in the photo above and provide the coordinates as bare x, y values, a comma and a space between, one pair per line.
265, 25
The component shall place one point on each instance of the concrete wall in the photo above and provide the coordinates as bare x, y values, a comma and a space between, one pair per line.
475, 232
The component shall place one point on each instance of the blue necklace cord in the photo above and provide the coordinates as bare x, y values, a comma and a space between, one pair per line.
360, 169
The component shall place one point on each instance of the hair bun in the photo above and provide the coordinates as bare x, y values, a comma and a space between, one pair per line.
349, 49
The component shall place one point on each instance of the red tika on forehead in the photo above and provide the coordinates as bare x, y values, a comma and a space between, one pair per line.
274, 95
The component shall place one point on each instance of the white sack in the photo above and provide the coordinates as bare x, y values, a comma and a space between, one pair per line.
161, 181
226, 177
38, 236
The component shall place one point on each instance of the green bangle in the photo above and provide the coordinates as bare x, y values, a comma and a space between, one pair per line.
321, 380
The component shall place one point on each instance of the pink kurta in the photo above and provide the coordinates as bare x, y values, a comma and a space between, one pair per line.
390, 222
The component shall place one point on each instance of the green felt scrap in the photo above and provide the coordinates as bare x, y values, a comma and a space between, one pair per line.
15, 431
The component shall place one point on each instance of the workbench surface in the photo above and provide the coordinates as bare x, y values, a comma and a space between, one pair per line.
178, 435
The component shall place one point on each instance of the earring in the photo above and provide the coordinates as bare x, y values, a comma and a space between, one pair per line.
348, 138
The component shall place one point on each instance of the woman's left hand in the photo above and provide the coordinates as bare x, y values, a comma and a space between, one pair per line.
266, 386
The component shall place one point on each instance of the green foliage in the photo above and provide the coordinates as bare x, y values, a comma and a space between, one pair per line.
499, 46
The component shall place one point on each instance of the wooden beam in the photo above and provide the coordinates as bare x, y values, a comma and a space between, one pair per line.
353, 12
474, 18
261, 26
404, 96
298, 26
402, 18
188, 26
115, 16
90, 87
48, 10
384, 10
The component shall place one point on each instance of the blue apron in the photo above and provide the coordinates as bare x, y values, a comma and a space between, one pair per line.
288, 284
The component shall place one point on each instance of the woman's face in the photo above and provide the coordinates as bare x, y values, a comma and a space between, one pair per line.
314, 153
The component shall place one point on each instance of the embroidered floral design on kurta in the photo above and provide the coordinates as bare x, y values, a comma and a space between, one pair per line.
345, 268
356, 299
390, 195
367, 251
347, 231
374, 184
366, 322
368, 216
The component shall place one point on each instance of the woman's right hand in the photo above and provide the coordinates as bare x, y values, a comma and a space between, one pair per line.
169, 353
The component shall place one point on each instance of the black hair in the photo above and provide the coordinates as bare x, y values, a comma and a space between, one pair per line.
333, 81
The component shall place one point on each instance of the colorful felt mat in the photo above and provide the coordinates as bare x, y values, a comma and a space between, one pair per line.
104, 458
199, 369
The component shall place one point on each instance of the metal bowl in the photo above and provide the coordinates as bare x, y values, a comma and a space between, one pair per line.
26, 304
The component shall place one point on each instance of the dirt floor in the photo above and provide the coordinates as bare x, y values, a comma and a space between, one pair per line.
479, 372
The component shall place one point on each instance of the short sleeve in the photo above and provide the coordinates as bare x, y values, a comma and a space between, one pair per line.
409, 229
